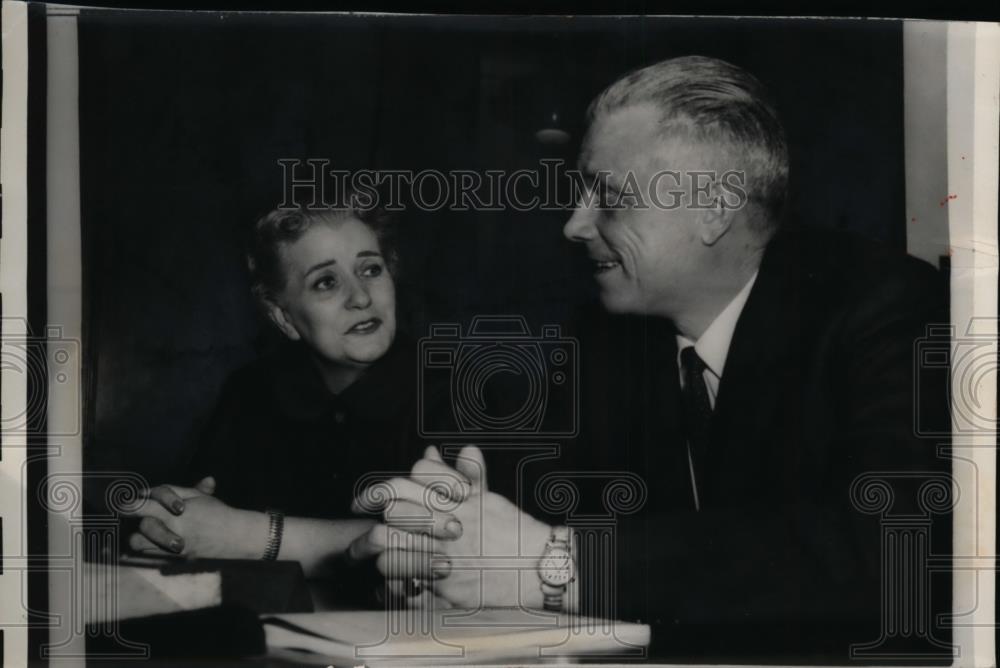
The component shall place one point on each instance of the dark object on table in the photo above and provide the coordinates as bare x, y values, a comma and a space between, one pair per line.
249, 588
221, 632
259, 586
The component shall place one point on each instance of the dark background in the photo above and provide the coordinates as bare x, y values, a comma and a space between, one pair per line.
183, 117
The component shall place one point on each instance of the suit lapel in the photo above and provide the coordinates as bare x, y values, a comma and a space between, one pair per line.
757, 373
647, 395
665, 445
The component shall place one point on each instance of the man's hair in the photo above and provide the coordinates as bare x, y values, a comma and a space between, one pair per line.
282, 227
714, 101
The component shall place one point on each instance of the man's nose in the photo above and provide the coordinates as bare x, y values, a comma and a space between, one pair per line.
359, 298
580, 226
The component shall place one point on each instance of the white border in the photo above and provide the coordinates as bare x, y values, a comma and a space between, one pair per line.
973, 65
69, 597
13, 248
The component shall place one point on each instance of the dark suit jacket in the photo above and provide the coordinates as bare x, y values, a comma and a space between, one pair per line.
819, 388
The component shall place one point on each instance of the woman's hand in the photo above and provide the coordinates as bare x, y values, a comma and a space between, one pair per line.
191, 522
444, 527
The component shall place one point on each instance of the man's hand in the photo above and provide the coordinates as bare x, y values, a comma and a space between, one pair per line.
489, 559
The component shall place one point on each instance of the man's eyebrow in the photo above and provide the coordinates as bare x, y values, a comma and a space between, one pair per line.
587, 173
590, 176
608, 181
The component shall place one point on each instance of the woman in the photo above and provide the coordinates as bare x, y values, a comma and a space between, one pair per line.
297, 431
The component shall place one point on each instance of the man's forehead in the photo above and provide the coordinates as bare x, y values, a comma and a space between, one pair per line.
632, 139
623, 137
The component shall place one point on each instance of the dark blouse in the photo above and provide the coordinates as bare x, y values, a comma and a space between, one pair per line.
279, 439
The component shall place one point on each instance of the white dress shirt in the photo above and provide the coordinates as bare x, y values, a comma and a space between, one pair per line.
713, 348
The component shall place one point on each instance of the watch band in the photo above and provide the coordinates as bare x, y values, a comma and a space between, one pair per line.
552, 597
560, 536
275, 531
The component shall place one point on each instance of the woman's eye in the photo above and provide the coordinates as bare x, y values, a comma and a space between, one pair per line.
325, 283
372, 271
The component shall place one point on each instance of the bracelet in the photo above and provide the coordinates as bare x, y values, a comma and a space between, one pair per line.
275, 530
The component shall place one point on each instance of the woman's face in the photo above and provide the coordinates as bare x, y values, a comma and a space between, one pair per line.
339, 297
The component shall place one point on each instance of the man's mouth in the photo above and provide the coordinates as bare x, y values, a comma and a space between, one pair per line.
365, 326
604, 266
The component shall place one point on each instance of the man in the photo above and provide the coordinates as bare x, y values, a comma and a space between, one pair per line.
753, 372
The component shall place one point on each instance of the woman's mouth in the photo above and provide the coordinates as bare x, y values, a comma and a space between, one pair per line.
365, 326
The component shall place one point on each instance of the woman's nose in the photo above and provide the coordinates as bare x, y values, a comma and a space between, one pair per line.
359, 297
580, 226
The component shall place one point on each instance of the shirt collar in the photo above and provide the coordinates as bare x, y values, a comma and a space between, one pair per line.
383, 388
713, 346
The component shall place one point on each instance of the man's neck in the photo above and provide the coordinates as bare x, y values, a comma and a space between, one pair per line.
705, 306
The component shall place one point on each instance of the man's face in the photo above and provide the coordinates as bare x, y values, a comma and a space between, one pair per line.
646, 256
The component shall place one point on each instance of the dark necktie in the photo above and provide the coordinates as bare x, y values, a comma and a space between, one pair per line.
697, 415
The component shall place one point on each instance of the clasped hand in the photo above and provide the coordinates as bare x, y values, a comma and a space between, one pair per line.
443, 527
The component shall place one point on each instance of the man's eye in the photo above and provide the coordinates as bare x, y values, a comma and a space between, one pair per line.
610, 198
371, 271
603, 194
325, 283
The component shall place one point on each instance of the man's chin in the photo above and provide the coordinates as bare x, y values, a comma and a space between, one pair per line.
615, 303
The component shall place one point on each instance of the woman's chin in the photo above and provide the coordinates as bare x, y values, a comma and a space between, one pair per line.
368, 349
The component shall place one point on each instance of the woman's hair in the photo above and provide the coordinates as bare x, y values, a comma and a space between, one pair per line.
281, 227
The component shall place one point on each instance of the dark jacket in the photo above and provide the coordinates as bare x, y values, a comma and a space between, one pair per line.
820, 386
279, 439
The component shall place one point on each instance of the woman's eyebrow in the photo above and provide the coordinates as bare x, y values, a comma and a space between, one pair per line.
369, 253
317, 267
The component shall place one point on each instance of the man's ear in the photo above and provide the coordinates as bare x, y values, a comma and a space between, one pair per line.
715, 221
281, 320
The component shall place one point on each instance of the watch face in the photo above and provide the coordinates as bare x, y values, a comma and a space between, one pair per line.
556, 567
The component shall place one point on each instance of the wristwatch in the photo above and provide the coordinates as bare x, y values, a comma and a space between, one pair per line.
556, 568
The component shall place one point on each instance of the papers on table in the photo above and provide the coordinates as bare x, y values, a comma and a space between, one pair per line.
453, 636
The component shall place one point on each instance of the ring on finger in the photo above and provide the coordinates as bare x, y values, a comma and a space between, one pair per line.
415, 587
